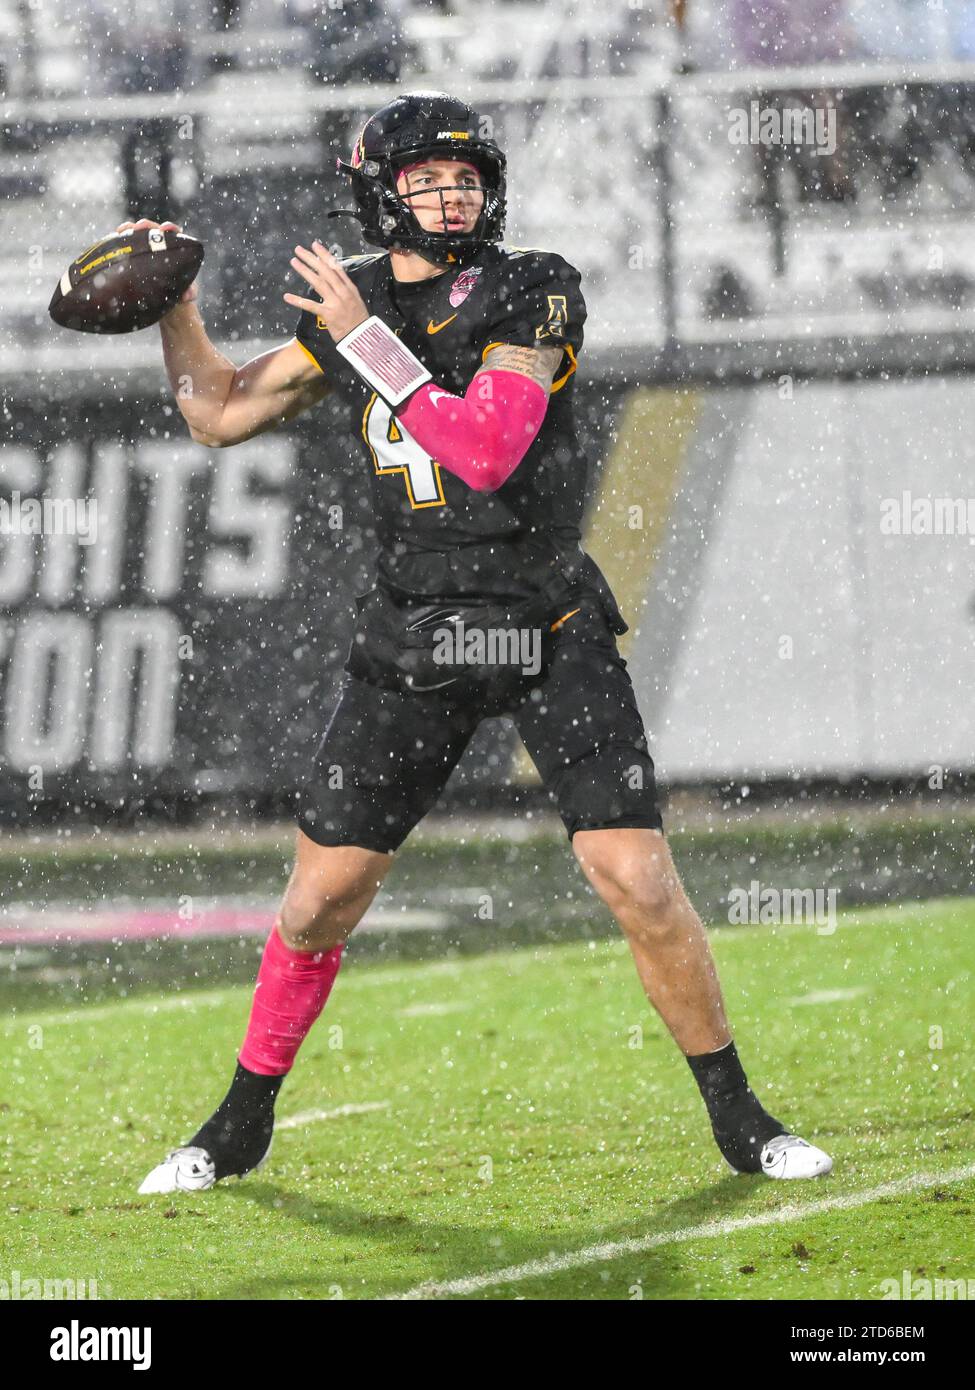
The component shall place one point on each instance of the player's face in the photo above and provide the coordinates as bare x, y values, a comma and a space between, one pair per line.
457, 181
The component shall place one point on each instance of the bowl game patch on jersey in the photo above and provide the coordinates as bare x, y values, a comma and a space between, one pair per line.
463, 285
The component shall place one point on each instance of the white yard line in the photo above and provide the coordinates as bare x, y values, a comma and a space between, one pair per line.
97, 1013
829, 996
597, 1254
369, 976
312, 1117
513, 962
726, 932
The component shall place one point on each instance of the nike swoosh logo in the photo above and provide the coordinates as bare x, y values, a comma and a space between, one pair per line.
439, 686
435, 396
436, 327
565, 618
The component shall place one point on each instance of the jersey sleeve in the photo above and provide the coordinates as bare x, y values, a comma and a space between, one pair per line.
539, 303
310, 333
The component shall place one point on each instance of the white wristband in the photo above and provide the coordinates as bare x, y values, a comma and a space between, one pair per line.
383, 362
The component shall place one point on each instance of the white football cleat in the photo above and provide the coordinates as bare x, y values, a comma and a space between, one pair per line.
787, 1156
189, 1169
182, 1170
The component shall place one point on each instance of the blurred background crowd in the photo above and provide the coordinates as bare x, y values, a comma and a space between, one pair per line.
89, 47
79, 79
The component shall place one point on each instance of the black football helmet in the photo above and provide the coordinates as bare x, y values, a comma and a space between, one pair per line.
414, 126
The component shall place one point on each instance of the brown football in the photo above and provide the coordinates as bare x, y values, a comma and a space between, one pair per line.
126, 281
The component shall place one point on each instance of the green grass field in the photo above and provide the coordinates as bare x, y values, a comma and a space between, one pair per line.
510, 1123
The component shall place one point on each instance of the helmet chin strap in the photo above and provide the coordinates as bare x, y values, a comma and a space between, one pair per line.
454, 254
451, 255
357, 217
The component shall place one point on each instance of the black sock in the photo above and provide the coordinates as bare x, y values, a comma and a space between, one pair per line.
740, 1123
238, 1132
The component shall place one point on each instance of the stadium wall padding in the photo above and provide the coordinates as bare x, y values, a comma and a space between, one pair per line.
194, 646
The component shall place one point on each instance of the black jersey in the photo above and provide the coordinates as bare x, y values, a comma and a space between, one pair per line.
439, 538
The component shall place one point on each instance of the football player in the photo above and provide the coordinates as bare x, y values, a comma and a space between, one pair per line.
456, 354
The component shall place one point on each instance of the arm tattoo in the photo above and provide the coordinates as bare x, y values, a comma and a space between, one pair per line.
538, 363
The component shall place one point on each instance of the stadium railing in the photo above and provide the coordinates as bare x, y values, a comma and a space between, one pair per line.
702, 253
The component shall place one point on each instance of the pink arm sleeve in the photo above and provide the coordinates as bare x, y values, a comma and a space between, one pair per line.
481, 440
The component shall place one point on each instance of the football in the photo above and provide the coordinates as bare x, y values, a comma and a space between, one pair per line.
126, 281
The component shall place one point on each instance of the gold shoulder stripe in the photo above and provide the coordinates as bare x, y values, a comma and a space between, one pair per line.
557, 385
310, 355
567, 351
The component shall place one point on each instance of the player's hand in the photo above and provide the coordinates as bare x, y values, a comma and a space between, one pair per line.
342, 306
191, 292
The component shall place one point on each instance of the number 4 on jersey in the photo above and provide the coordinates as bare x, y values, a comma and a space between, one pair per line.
394, 450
